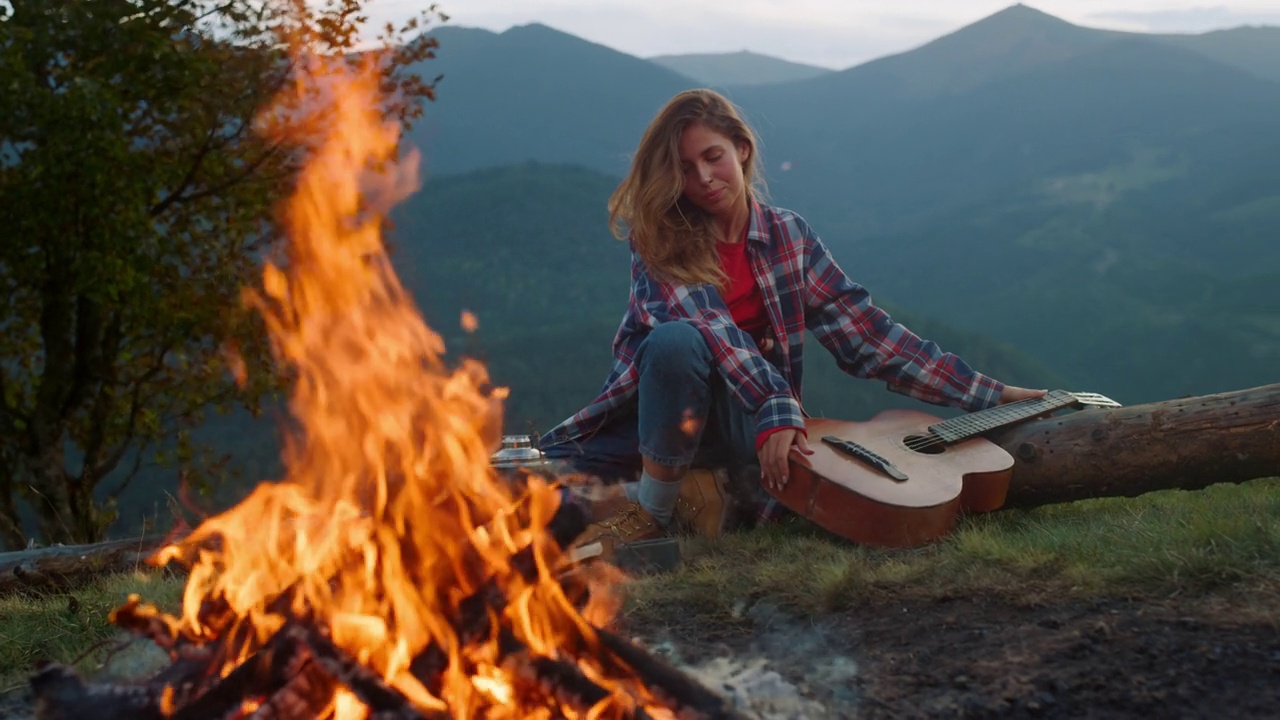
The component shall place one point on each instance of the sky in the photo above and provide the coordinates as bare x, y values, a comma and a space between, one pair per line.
830, 33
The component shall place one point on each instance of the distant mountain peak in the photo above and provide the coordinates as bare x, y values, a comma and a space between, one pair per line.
539, 30
1018, 18
1008, 42
531, 27
744, 53
1024, 12
1024, 9
740, 67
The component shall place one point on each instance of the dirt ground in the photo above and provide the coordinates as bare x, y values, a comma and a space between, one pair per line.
979, 658
975, 658
1112, 659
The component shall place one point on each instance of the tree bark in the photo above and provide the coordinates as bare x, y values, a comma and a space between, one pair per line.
62, 566
1188, 443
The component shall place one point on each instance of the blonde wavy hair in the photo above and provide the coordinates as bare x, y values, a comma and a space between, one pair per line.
672, 235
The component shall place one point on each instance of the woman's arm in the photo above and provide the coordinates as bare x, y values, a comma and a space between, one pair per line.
752, 381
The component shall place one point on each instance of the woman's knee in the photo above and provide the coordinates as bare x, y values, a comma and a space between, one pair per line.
676, 343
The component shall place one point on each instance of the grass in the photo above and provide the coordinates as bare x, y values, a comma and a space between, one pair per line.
1159, 545
1222, 540
1254, 211
72, 626
1145, 167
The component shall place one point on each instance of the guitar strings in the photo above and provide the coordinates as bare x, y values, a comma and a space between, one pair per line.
979, 422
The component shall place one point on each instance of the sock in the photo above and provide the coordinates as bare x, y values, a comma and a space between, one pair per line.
658, 498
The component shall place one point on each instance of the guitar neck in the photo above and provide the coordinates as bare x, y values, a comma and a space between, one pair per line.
975, 424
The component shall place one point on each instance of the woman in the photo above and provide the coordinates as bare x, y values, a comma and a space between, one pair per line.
707, 360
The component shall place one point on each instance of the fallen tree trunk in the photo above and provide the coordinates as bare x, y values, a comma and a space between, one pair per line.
1187, 443
68, 565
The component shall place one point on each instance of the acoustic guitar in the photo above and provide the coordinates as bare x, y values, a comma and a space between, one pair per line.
901, 478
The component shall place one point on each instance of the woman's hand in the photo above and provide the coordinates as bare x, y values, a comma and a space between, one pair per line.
774, 453
1014, 394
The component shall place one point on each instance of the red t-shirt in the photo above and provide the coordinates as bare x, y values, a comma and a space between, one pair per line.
741, 293
746, 305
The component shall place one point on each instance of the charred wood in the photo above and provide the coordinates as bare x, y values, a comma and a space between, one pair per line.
298, 671
473, 620
382, 700
307, 692
61, 694
562, 684
679, 691
260, 675
561, 681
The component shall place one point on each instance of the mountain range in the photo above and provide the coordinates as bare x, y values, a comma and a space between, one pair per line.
737, 68
1254, 49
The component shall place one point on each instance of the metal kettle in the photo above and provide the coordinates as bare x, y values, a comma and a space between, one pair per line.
517, 451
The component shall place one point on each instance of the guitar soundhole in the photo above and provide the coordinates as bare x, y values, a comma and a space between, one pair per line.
924, 444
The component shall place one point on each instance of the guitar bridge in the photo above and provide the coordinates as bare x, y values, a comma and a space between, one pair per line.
860, 452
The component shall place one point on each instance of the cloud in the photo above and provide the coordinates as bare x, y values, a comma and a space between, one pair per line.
1192, 19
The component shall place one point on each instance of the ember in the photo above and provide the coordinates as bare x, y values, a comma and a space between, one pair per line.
392, 573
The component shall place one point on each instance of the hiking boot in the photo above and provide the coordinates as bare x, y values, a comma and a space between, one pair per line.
703, 505
603, 539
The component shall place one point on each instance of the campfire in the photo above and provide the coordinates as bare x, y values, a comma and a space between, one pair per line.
391, 573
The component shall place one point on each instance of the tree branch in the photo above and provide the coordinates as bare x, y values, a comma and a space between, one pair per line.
249, 170
205, 148
113, 459
114, 494
104, 404
215, 10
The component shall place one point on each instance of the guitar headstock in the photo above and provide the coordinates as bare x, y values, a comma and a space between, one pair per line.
1093, 400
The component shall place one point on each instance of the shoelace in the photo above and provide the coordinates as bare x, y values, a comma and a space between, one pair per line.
628, 521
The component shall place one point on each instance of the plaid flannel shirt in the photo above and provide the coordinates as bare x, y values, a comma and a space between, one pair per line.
803, 289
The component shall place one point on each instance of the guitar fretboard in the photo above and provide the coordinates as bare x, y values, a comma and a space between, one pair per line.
974, 424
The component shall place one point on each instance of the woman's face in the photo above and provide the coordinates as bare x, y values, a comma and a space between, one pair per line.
712, 166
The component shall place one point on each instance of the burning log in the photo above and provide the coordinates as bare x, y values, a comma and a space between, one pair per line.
295, 674
382, 700
1187, 443
283, 674
62, 695
677, 689
561, 683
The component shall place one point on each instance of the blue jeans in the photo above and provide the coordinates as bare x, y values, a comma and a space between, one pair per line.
682, 414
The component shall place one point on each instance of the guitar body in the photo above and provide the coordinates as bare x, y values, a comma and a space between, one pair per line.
859, 502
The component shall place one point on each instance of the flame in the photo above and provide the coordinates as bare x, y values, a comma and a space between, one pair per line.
469, 321
689, 425
389, 513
